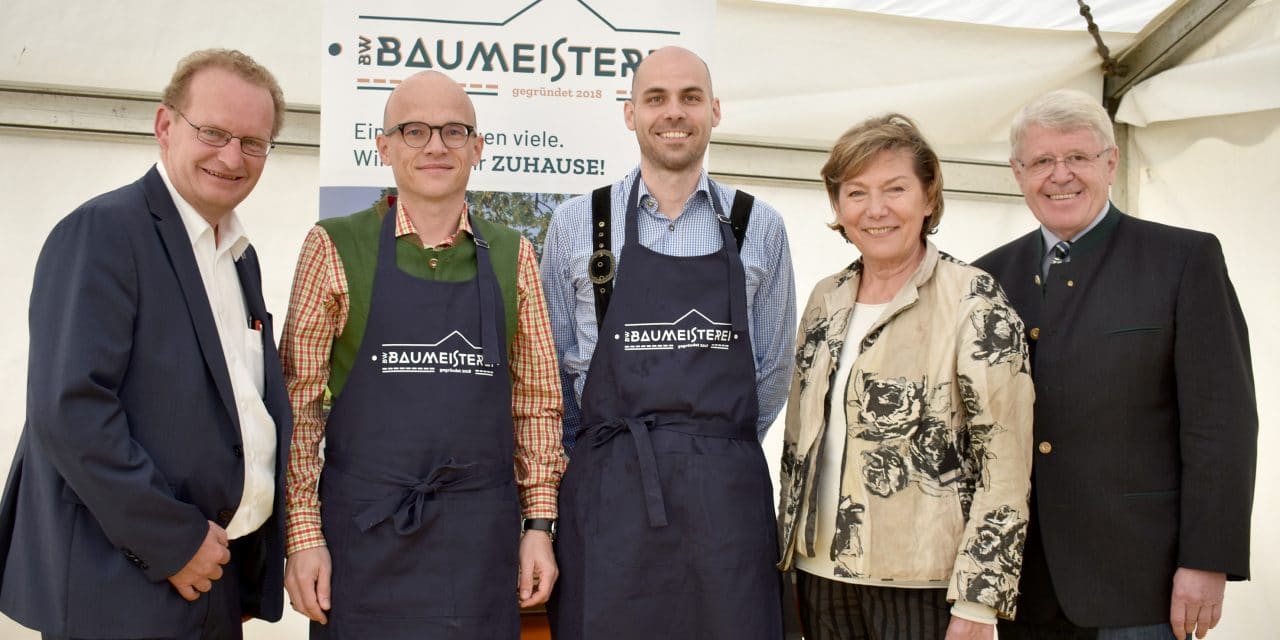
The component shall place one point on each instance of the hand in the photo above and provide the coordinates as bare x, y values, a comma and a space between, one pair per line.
961, 629
306, 578
538, 570
204, 567
1197, 601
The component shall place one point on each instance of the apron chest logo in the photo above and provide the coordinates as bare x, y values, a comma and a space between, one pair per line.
693, 330
454, 354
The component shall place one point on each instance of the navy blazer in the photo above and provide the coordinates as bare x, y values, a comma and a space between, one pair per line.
1145, 419
132, 438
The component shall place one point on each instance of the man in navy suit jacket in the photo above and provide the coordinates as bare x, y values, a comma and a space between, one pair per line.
146, 495
1145, 419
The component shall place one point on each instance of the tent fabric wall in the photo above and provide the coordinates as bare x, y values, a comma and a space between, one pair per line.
786, 76
1235, 72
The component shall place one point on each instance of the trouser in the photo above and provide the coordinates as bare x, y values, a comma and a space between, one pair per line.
1062, 629
834, 610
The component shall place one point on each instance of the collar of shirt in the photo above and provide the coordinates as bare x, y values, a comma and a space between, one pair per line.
649, 204
231, 234
1050, 239
404, 227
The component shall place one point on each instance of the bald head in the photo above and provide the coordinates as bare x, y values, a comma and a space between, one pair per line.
668, 60
427, 91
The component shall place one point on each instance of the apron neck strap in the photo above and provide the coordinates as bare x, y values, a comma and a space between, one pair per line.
486, 281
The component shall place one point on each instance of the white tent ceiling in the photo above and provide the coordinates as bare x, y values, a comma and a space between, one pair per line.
1124, 16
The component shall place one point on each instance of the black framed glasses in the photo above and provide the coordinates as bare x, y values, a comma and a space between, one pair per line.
418, 134
215, 137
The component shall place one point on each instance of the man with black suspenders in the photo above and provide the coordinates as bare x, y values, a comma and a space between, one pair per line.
672, 303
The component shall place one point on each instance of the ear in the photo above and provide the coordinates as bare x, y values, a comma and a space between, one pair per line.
1113, 160
477, 149
383, 147
629, 114
715, 112
163, 126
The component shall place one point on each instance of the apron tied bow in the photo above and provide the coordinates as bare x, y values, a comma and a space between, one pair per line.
649, 478
406, 504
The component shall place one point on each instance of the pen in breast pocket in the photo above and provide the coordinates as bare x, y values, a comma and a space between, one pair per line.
255, 324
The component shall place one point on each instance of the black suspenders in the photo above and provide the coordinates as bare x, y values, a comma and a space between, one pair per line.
603, 267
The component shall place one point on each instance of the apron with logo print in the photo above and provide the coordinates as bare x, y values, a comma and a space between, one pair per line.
418, 497
667, 526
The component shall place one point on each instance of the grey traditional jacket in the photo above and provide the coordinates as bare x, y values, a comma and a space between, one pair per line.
936, 470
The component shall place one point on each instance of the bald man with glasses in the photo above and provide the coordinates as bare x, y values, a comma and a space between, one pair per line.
430, 514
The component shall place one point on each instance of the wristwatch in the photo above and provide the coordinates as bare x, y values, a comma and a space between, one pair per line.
546, 525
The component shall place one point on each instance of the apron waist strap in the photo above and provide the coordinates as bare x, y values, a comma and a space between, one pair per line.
649, 478
406, 501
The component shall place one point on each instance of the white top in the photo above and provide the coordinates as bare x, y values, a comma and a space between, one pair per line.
242, 350
860, 321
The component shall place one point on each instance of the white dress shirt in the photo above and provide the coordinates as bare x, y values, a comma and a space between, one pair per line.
216, 253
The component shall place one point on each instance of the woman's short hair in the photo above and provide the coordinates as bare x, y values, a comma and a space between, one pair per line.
858, 147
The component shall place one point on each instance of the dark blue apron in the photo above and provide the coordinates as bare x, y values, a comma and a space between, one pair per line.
667, 526
418, 496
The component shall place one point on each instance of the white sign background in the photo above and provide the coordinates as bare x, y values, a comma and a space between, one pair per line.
548, 79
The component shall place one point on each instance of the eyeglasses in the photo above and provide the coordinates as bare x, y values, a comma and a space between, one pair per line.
1076, 161
418, 134
215, 137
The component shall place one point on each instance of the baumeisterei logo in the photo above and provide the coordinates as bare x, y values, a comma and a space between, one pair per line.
693, 330
453, 354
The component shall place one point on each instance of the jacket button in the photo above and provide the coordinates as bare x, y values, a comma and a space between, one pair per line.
225, 515
433, 263
1045, 448
238, 450
1035, 333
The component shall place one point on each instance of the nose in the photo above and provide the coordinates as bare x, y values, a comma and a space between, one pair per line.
1061, 172
231, 155
877, 204
672, 110
436, 144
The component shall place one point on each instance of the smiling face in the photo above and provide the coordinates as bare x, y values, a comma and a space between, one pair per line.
214, 180
882, 209
434, 173
672, 110
1065, 201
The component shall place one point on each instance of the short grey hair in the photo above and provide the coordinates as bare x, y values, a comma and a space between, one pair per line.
1063, 110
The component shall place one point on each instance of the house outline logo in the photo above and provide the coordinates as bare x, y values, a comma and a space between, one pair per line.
431, 358
693, 330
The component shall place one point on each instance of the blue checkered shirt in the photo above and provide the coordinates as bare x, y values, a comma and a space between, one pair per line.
766, 257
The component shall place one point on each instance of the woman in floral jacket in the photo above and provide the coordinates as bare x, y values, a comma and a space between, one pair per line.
907, 454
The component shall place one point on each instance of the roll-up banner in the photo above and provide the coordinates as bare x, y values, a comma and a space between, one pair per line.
548, 79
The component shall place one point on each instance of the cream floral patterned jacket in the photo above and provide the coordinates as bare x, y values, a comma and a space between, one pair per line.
936, 470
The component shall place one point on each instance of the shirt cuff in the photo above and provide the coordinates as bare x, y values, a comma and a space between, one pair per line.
539, 502
304, 531
973, 612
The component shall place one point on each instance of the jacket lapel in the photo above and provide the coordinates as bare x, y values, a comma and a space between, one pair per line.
274, 395
177, 245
